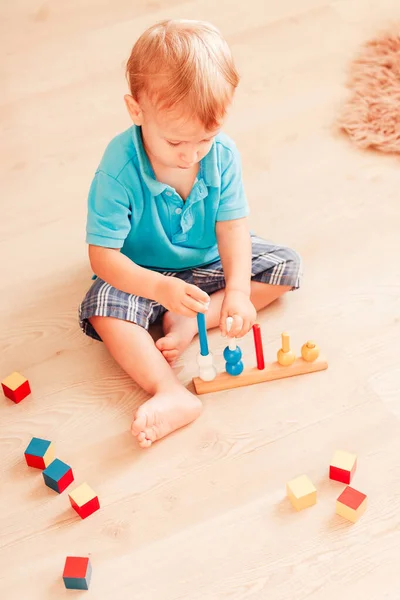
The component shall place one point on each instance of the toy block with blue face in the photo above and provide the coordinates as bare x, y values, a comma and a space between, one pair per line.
77, 573
351, 504
58, 476
16, 387
343, 466
84, 500
301, 492
39, 453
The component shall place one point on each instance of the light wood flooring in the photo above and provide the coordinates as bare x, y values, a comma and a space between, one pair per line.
203, 514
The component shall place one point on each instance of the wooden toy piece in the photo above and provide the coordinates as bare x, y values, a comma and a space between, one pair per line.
207, 370
301, 492
286, 356
84, 500
252, 375
77, 573
232, 353
58, 475
258, 346
16, 387
310, 351
351, 504
39, 453
343, 466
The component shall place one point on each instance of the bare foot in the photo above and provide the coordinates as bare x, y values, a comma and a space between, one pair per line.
165, 412
179, 332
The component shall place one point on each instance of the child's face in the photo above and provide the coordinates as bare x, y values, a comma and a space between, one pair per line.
170, 141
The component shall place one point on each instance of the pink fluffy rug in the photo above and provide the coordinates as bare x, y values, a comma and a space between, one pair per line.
371, 114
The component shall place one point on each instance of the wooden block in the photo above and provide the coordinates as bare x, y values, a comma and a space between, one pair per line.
58, 475
343, 466
301, 492
272, 371
16, 387
351, 504
39, 453
84, 500
77, 573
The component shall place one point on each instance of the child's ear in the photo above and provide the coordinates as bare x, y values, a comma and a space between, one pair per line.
134, 109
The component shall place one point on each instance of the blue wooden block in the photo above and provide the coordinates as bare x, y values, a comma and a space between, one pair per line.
77, 573
58, 475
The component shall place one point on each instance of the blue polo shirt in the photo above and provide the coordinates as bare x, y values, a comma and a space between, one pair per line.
129, 209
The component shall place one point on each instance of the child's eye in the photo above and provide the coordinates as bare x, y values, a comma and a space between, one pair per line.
174, 143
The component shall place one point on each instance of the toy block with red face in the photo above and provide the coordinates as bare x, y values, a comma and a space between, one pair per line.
58, 476
84, 500
351, 504
77, 573
301, 492
16, 387
343, 466
39, 453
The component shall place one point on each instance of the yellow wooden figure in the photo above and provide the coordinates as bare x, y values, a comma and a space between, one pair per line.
286, 356
310, 351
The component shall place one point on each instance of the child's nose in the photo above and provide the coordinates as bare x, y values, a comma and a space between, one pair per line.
189, 156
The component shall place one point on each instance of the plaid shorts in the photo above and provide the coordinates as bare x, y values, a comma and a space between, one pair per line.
276, 265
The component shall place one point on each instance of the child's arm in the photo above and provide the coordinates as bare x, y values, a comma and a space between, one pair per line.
122, 273
234, 245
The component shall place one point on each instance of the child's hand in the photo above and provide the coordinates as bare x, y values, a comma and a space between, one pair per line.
237, 305
182, 298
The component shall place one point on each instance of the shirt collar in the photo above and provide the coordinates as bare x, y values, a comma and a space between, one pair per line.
155, 187
208, 166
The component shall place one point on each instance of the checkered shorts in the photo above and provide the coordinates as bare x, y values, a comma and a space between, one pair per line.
276, 265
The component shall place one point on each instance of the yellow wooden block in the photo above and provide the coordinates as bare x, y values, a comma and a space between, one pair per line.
14, 380
49, 455
351, 504
301, 492
343, 460
82, 494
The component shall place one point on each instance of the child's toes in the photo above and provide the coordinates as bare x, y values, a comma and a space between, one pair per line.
170, 355
145, 443
138, 424
167, 342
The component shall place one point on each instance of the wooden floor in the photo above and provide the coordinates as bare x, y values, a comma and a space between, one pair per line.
203, 514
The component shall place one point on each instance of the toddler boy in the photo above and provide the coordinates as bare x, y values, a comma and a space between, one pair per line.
167, 225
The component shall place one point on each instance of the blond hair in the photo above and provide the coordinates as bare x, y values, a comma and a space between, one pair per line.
187, 65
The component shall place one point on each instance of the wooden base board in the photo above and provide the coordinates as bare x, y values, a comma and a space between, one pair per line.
224, 381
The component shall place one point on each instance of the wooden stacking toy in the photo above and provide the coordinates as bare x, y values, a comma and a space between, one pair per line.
286, 365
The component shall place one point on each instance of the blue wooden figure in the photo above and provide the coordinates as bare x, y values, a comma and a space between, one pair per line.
232, 354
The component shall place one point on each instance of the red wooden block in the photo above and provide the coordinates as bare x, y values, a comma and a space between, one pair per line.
75, 567
77, 573
351, 498
16, 387
65, 481
343, 466
39, 453
84, 500
87, 509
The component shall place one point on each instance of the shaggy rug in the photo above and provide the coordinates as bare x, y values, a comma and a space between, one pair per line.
371, 113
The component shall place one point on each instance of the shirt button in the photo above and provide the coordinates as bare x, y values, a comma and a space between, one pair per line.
168, 193
178, 211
